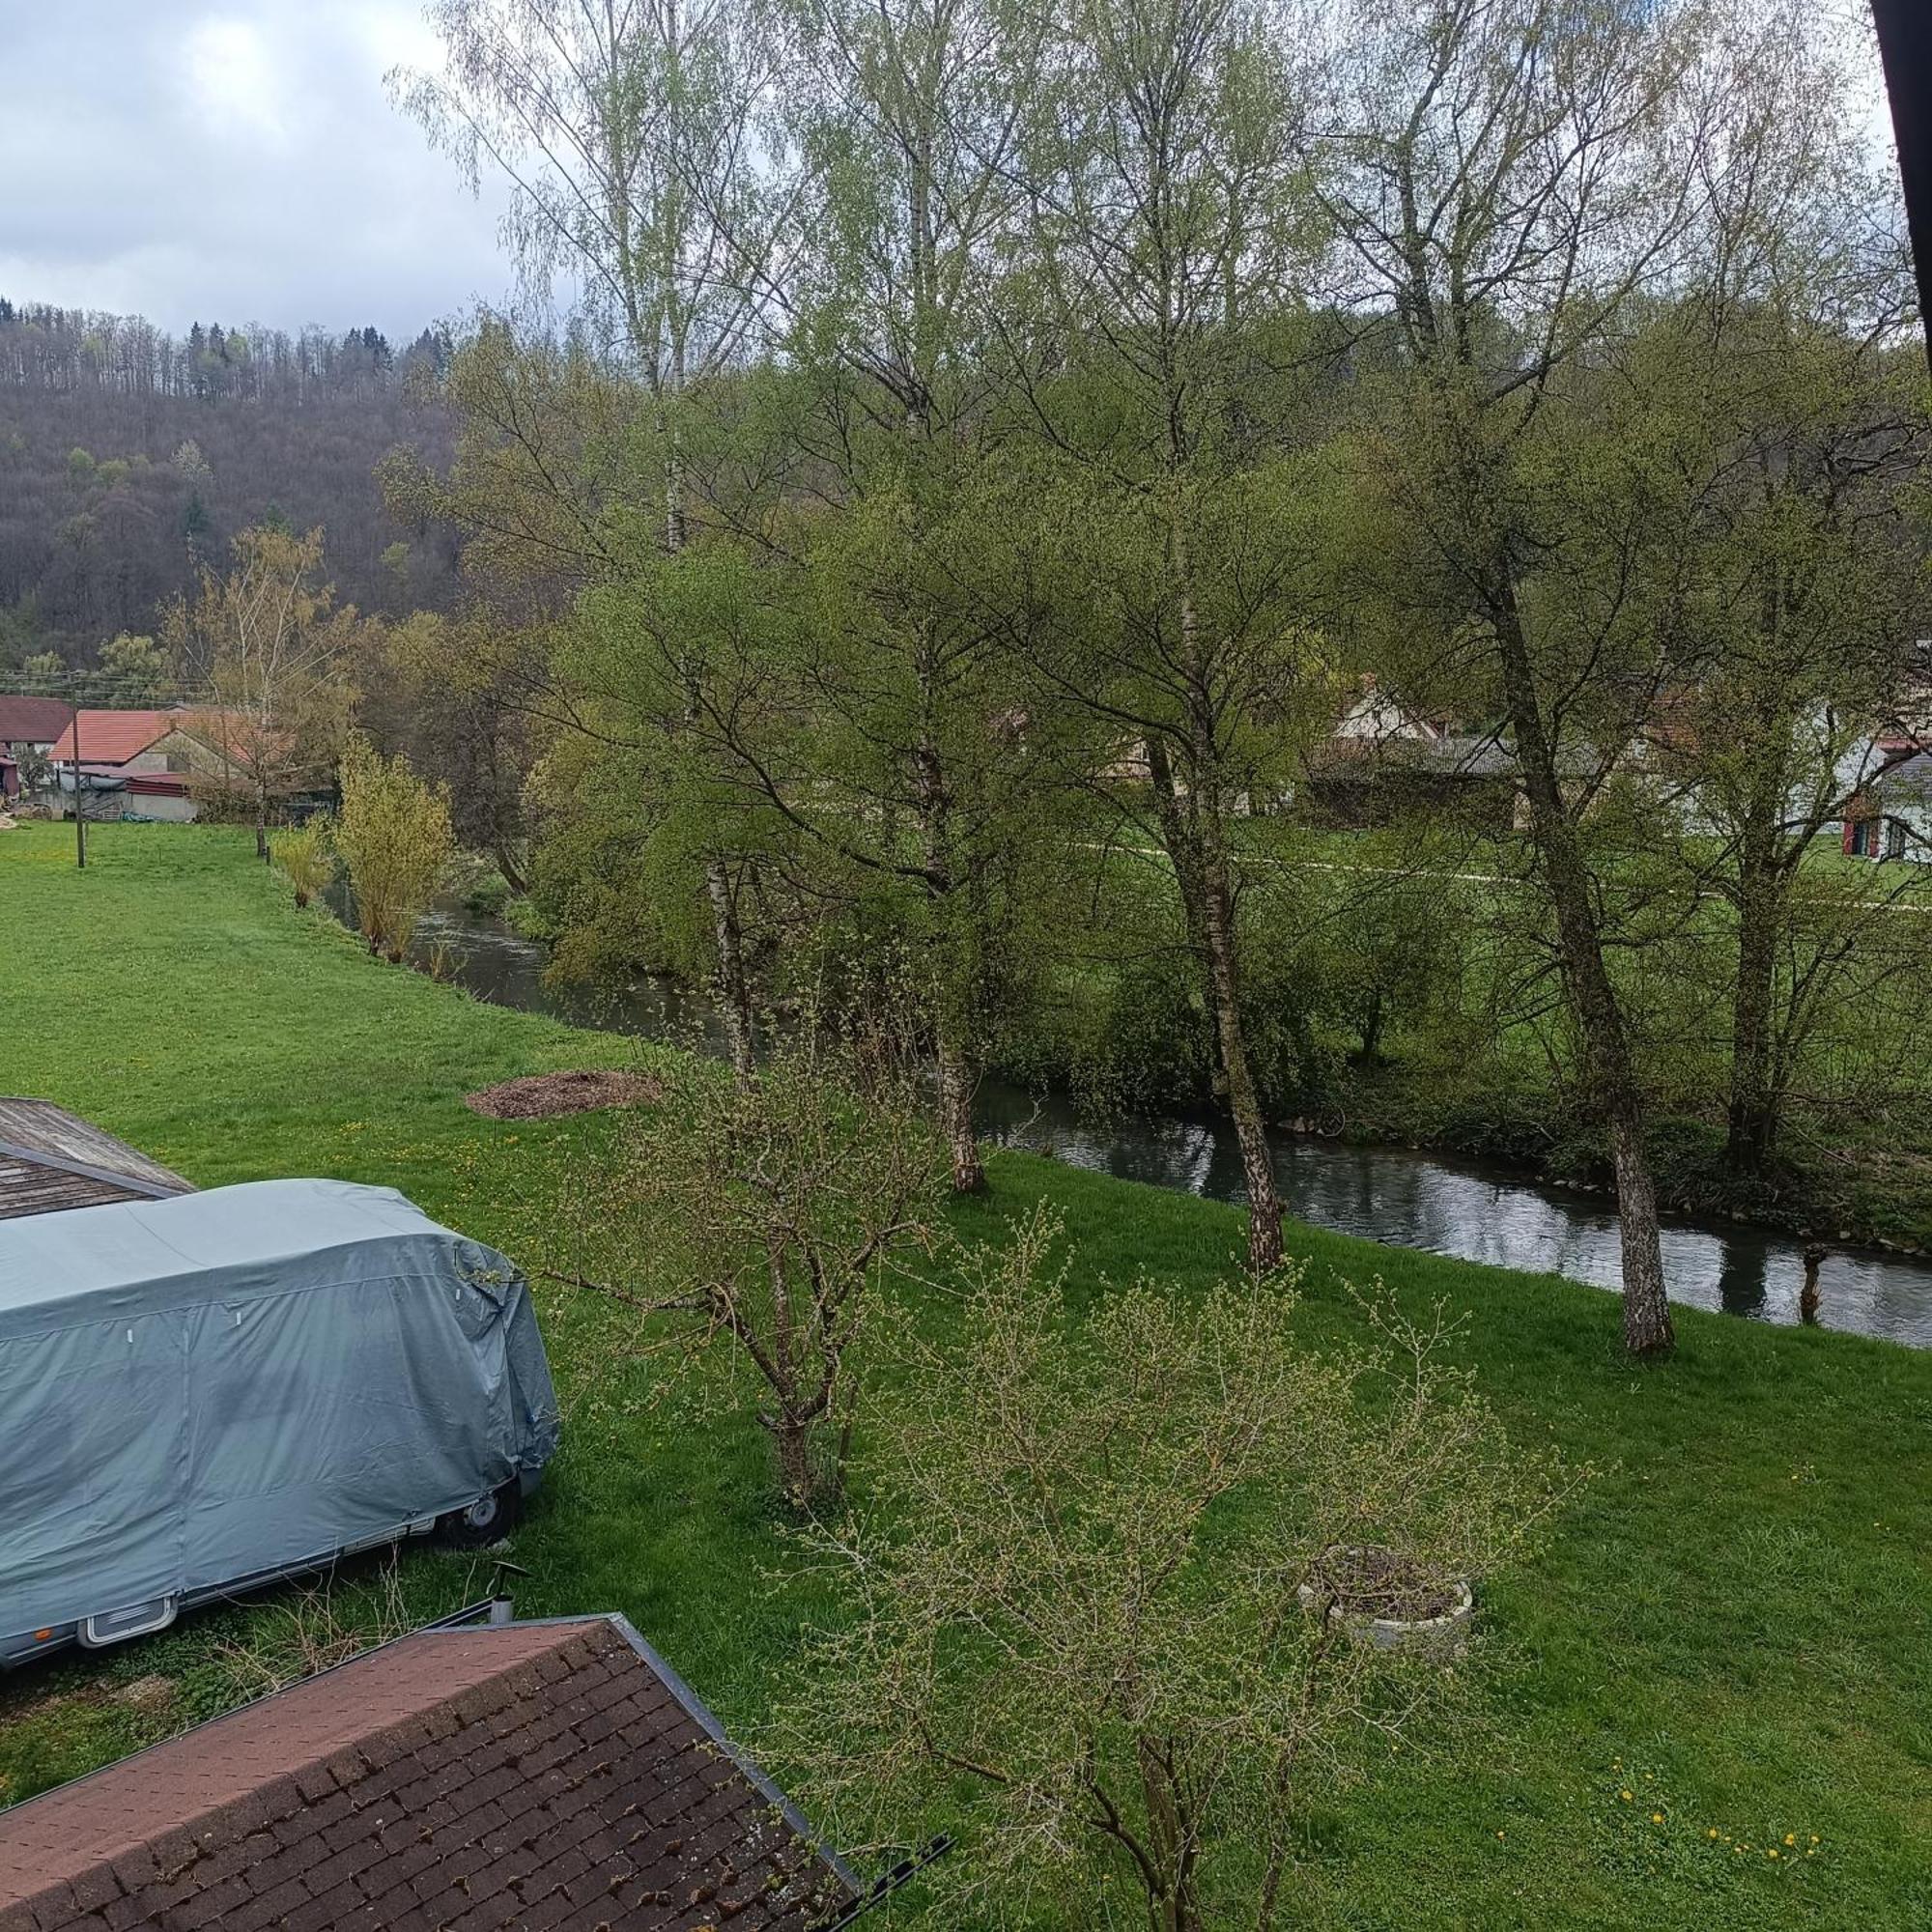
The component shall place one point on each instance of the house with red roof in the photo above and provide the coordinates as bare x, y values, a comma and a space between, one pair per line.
167, 765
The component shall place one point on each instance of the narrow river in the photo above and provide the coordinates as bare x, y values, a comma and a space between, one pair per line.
1388, 1194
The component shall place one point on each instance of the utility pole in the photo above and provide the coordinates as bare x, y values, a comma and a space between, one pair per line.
80, 797
1904, 45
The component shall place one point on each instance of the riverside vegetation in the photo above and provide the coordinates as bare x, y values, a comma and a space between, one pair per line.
1009, 468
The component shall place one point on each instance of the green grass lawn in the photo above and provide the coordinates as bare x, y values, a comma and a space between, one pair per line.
1734, 1624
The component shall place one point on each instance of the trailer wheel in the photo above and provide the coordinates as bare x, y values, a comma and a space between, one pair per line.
488, 1519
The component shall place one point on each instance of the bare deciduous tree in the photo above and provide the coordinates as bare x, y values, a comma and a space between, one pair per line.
764, 1217
267, 644
1078, 1583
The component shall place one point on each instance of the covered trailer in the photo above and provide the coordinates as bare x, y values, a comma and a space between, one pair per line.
202, 1394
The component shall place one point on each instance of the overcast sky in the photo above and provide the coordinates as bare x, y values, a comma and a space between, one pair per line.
230, 162
238, 161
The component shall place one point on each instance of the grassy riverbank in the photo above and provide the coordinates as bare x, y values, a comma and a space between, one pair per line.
1440, 946
1734, 1625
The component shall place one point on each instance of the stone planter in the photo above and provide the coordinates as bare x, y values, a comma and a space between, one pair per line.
1444, 1634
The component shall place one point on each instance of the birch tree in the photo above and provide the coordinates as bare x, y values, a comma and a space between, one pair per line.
1507, 177
632, 139
909, 114
1164, 187
268, 645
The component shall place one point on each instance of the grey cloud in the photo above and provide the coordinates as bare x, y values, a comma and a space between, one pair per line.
234, 162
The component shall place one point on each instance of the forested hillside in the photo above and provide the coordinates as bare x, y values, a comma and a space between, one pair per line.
127, 454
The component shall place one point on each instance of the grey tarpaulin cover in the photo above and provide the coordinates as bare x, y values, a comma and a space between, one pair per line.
197, 1389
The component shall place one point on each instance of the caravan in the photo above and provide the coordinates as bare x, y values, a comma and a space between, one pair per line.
204, 1394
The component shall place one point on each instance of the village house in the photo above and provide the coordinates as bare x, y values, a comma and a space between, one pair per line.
544, 1774
29, 727
1892, 816
1386, 758
32, 726
175, 765
133, 764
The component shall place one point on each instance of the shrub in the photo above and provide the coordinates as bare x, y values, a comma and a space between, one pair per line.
1077, 1578
304, 856
762, 1218
395, 838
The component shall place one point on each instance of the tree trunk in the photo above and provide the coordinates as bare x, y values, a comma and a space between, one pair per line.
1586, 979
1647, 1325
1208, 907
510, 865
1751, 1123
1171, 1849
1372, 1028
956, 1071
955, 1119
1264, 1249
734, 993
794, 1446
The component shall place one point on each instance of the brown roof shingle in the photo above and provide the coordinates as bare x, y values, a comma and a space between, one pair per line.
33, 720
543, 1774
51, 1159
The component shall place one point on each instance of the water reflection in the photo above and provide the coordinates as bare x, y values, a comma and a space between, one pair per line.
1387, 1193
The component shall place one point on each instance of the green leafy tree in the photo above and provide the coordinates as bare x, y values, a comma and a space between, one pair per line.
132, 671
1174, 540
1509, 211
629, 139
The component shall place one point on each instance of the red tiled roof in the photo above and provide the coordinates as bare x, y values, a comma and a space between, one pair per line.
528, 1774
32, 721
113, 737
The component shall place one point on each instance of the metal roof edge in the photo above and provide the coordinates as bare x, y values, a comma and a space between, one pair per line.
113, 1177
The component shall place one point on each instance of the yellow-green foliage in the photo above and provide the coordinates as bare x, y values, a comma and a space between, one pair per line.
305, 857
395, 838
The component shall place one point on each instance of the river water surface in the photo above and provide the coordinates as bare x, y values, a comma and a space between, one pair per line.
1387, 1193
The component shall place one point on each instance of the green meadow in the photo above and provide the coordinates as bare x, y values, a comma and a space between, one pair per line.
1706, 1703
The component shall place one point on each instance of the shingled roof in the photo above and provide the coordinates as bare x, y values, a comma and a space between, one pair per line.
534, 1775
33, 720
51, 1159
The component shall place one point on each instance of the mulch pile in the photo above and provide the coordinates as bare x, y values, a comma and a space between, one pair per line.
540, 1095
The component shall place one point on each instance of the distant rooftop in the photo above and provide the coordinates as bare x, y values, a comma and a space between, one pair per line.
33, 720
113, 737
